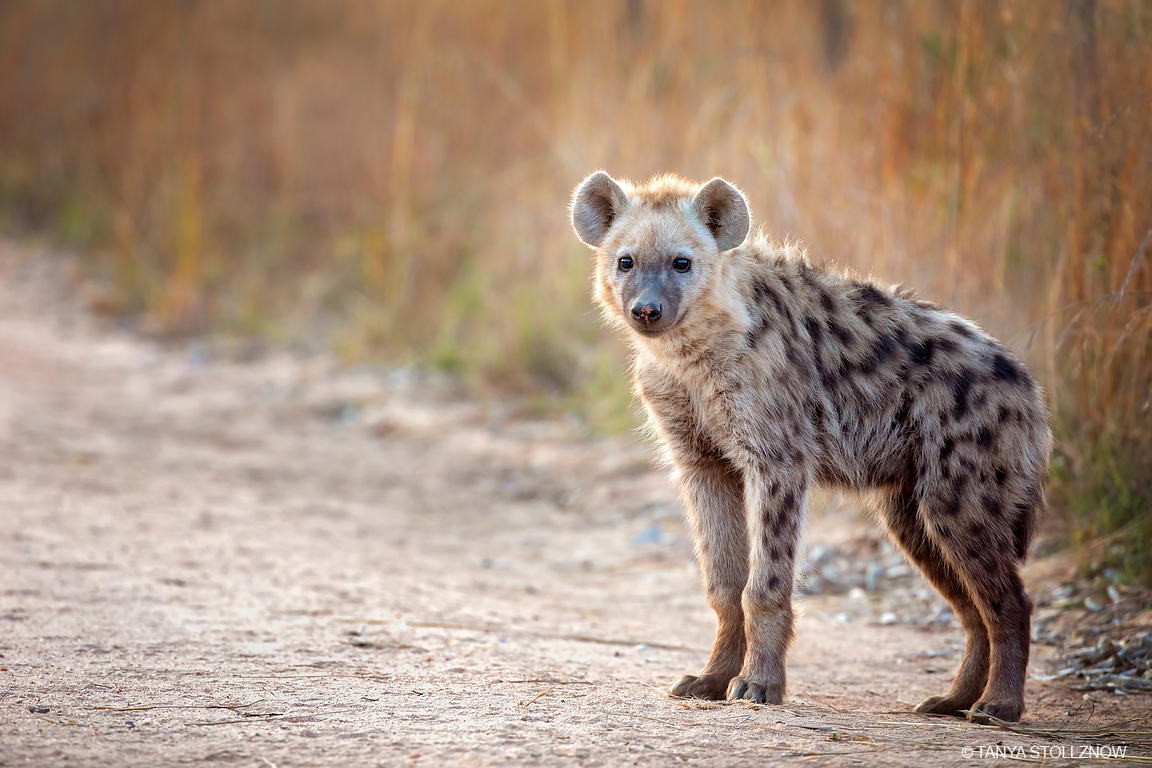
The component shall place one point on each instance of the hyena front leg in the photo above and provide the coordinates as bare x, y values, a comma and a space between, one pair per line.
773, 508
714, 498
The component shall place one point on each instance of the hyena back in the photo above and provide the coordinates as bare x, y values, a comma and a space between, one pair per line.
764, 376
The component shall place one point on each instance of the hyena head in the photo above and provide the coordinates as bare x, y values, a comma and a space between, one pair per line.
657, 245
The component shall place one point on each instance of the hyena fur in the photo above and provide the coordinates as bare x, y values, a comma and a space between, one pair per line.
764, 376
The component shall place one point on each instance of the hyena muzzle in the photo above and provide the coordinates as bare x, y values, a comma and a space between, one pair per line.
764, 376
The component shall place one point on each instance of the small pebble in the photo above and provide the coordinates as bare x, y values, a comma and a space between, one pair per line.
38, 710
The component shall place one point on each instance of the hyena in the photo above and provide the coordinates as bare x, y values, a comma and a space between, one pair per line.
764, 376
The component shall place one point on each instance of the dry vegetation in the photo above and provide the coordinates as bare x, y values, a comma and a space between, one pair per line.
391, 177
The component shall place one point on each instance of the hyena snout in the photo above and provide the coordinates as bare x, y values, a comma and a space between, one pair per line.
653, 308
647, 311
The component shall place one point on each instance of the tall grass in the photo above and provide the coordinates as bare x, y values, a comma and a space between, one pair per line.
390, 178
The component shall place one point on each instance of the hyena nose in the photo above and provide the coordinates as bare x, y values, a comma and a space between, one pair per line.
649, 313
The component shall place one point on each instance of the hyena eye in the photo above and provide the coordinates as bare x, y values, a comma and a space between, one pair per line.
681, 264
625, 263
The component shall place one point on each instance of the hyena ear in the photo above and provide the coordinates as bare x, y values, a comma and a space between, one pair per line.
724, 211
595, 205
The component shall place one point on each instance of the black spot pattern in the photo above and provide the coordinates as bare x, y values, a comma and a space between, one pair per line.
961, 386
961, 329
842, 334
920, 353
984, 437
1005, 368
869, 297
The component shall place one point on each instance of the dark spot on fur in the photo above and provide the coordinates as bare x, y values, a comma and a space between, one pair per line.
789, 501
827, 301
961, 329
883, 347
946, 449
961, 386
905, 408
773, 583
793, 355
920, 353
816, 408
984, 437
1006, 369
945, 344
814, 331
778, 303
992, 505
869, 297
761, 292
956, 503
840, 332
1001, 476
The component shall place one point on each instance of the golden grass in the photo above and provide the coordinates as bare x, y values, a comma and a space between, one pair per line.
395, 174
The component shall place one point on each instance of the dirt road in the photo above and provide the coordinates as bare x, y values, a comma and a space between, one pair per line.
283, 563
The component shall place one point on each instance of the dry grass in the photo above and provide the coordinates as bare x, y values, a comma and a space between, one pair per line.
390, 178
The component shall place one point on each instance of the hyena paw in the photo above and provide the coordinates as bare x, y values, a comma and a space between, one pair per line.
943, 705
1008, 710
758, 691
701, 686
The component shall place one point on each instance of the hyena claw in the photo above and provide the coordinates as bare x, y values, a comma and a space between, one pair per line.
985, 712
701, 687
741, 688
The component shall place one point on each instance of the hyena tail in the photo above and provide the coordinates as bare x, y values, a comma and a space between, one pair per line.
1027, 510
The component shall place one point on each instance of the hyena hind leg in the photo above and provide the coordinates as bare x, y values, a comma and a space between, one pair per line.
901, 516
979, 538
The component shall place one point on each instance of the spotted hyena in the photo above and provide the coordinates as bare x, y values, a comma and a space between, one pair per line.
764, 376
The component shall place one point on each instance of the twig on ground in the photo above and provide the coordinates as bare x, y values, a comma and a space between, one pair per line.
528, 703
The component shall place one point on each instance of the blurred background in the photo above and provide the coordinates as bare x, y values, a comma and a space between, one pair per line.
389, 180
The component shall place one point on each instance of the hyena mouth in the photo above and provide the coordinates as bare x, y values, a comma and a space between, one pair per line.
651, 330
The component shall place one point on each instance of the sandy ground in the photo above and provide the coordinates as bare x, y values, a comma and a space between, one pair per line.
279, 562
